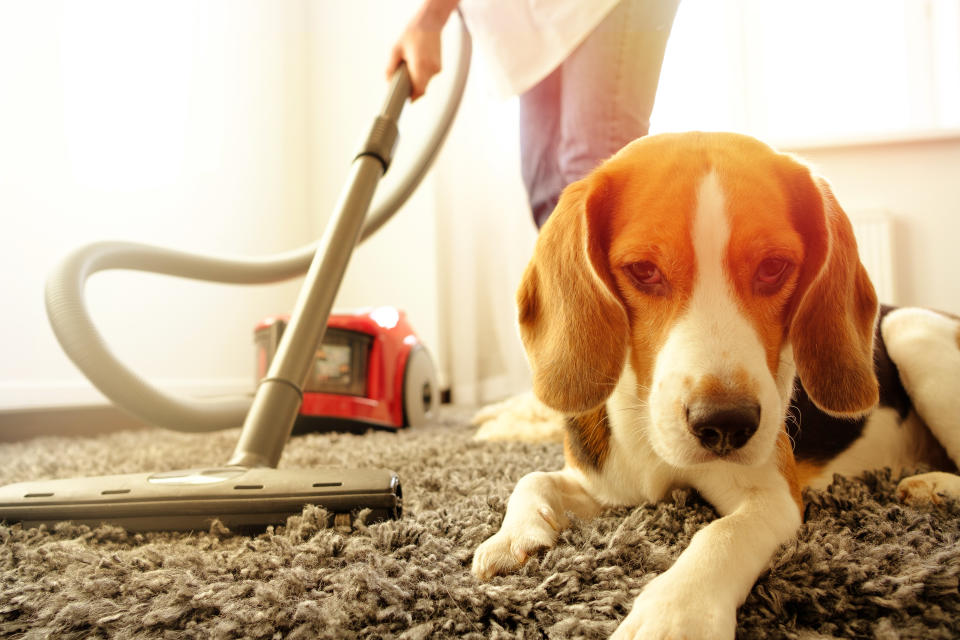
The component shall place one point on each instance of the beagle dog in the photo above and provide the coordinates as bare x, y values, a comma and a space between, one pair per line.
696, 310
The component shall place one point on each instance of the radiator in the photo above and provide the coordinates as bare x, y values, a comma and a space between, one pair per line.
874, 232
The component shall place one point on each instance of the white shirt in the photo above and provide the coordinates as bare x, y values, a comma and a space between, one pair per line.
524, 40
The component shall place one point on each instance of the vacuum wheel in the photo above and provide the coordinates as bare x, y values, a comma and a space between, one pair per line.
421, 392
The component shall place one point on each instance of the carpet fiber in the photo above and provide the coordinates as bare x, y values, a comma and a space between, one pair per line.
863, 565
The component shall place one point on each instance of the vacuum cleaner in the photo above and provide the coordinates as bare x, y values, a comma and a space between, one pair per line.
247, 491
370, 372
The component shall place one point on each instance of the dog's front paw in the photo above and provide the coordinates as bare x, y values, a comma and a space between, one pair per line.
509, 548
672, 610
929, 488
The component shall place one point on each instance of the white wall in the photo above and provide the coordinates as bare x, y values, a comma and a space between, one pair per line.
918, 184
179, 124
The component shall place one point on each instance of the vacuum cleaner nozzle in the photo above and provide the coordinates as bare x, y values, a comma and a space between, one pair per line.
191, 499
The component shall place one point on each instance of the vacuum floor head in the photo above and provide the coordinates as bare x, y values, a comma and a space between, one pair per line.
191, 499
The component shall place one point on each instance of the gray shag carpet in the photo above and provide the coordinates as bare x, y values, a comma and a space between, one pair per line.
863, 565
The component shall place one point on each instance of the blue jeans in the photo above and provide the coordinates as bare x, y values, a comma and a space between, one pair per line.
597, 100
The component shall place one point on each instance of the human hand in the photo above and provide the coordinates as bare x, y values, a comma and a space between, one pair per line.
419, 45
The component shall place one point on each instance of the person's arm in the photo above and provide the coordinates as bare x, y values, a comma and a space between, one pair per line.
419, 44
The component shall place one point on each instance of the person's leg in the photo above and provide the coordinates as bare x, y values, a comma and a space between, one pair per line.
609, 84
597, 101
539, 135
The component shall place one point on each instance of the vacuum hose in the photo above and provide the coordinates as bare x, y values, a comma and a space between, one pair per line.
80, 339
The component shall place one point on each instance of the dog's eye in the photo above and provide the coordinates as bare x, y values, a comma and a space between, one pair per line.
647, 277
645, 273
770, 275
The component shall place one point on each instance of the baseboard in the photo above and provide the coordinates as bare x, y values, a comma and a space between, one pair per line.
94, 417
486, 390
76, 408
47, 394
22, 424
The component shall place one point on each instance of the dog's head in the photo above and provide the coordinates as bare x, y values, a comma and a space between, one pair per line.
720, 268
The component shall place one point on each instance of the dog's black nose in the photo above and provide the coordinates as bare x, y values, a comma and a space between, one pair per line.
723, 429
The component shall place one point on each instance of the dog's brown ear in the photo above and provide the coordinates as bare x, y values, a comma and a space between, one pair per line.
572, 324
835, 307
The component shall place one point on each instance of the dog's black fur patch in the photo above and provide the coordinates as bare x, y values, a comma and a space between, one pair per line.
819, 437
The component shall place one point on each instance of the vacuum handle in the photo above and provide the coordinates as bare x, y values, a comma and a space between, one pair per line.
381, 140
393, 199
397, 94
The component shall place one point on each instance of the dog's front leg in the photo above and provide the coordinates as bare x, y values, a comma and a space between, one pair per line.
699, 595
536, 513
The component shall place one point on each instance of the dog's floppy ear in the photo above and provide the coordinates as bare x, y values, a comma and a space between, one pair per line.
572, 324
835, 307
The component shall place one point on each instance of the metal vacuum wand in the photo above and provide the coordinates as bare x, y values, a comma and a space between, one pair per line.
279, 395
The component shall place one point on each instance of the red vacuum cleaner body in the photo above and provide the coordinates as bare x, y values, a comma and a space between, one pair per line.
370, 369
